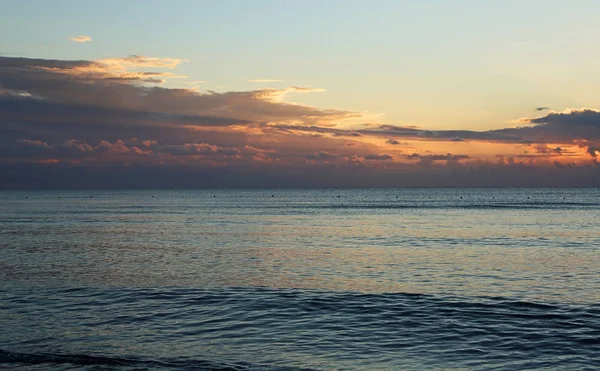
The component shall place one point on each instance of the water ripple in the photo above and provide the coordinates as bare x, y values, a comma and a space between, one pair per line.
227, 327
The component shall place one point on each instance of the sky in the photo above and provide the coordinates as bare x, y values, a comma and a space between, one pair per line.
114, 94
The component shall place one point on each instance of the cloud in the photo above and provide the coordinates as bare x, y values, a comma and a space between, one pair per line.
316, 130
81, 39
378, 157
594, 153
579, 127
264, 80
355, 161
542, 108
203, 149
80, 150
346, 133
117, 83
322, 155
430, 158
255, 150
33, 74
139, 61
545, 149
70, 120
305, 89
555, 127
73, 149
581, 116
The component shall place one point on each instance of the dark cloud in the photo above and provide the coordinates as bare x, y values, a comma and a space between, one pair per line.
584, 117
545, 149
583, 124
109, 84
441, 135
594, 152
29, 63
580, 124
27, 110
447, 157
542, 108
566, 127
347, 134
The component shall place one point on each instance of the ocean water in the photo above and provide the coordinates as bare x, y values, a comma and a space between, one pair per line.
335, 279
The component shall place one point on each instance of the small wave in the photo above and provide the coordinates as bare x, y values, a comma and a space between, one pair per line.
482, 206
9, 358
298, 328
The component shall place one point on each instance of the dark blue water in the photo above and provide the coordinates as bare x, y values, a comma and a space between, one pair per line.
300, 279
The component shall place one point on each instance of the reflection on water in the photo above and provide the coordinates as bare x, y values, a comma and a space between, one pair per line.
240, 280
422, 241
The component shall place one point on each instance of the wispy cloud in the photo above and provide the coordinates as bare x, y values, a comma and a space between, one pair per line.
81, 39
140, 61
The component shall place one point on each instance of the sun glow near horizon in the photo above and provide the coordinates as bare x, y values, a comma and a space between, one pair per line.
370, 100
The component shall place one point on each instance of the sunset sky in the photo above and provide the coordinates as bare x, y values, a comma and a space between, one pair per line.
112, 94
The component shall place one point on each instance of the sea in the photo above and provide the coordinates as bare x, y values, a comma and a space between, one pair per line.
300, 279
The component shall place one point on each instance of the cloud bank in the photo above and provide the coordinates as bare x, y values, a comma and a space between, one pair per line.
112, 123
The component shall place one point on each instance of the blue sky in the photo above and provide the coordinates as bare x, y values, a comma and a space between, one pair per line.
435, 64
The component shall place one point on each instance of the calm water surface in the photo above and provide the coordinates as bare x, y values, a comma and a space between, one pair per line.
300, 279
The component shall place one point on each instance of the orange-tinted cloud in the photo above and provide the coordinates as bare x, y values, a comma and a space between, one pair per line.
79, 115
